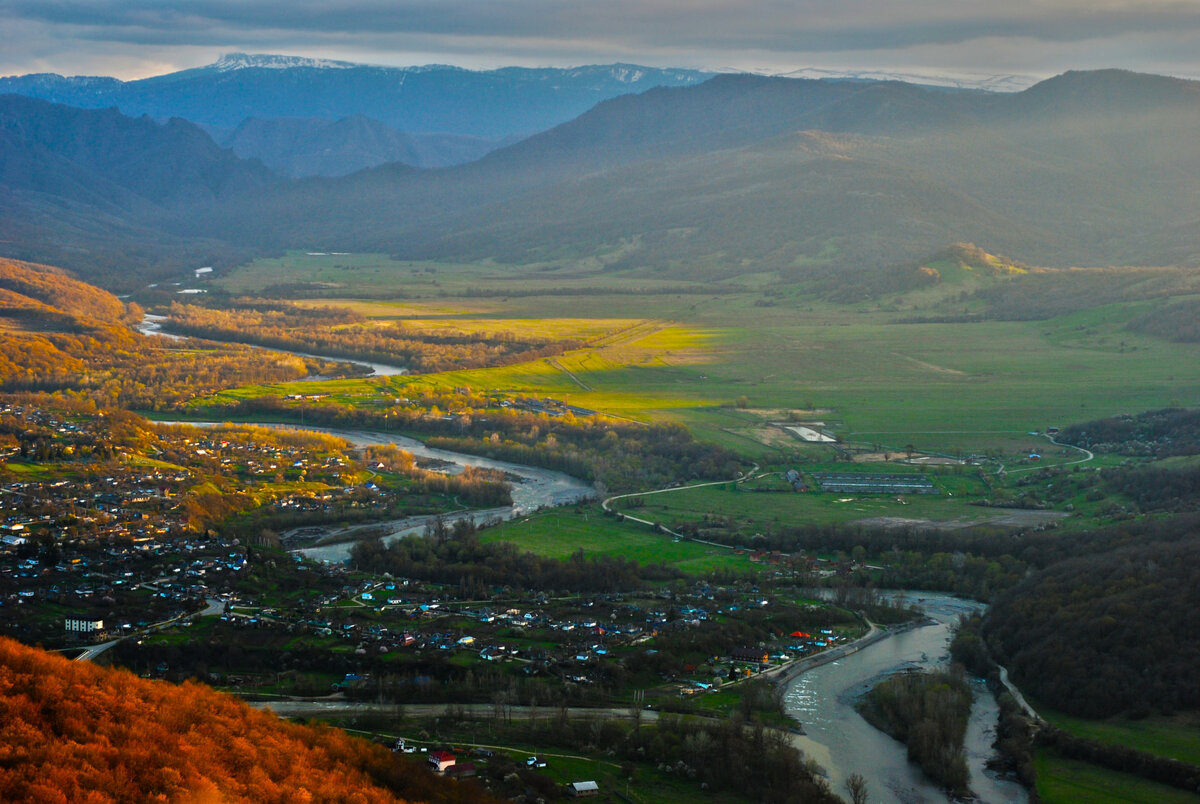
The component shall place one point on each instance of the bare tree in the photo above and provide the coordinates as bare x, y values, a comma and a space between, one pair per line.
856, 786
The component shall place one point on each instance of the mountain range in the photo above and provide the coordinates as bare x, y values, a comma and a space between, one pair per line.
748, 173
320, 117
797, 178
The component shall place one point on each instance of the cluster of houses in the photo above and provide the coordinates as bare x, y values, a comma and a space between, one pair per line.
254, 458
445, 762
135, 505
131, 582
571, 640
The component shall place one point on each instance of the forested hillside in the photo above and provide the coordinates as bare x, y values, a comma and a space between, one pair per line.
77, 732
63, 334
1113, 628
745, 173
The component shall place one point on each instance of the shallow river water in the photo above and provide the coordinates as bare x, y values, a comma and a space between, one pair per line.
842, 742
153, 325
531, 487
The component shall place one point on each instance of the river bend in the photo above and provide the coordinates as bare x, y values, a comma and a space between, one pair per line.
842, 742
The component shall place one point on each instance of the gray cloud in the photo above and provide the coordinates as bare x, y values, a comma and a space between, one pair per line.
735, 33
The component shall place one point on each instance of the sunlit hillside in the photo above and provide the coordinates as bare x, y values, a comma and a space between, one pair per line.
75, 732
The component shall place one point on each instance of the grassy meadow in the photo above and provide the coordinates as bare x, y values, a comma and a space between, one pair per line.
1175, 737
689, 352
733, 359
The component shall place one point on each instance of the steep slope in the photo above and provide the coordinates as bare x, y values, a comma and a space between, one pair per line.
436, 98
72, 731
171, 163
46, 285
828, 179
91, 189
313, 146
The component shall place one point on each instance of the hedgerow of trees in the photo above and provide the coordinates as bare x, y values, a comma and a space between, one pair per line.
616, 455
340, 332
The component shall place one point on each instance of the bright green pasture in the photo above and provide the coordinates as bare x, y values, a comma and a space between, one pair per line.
704, 349
32, 471
559, 534
1068, 781
943, 386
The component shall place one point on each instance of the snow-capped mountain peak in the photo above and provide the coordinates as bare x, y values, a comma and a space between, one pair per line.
242, 61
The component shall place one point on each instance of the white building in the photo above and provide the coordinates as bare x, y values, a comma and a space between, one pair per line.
81, 626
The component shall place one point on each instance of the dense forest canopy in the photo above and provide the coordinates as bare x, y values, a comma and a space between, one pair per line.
1110, 631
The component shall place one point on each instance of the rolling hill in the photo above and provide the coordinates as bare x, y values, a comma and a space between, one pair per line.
73, 731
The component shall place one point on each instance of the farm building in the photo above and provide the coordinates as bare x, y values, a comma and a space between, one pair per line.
861, 483
583, 789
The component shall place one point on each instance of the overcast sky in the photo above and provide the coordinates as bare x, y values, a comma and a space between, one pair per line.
1037, 38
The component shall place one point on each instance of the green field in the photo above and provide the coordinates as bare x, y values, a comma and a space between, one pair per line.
561, 533
729, 360
749, 512
945, 387
1067, 781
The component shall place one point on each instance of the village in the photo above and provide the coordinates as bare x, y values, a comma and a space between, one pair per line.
413, 641
107, 553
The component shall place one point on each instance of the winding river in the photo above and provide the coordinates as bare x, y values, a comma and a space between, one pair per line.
822, 698
531, 487
153, 325
842, 742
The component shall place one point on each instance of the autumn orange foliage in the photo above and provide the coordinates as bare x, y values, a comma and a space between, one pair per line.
59, 333
74, 732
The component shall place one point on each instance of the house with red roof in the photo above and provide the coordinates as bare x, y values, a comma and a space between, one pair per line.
440, 761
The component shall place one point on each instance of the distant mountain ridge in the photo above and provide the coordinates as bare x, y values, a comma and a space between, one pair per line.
170, 163
242, 61
96, 191
794, 176
829, 180
432, 99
